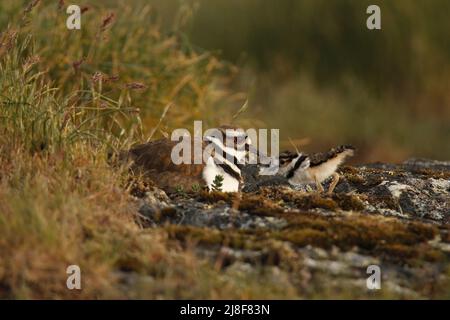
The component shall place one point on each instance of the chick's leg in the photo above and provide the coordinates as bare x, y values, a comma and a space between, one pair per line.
318, 185
334, 182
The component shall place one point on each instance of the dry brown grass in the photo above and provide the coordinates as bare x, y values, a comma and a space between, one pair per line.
67, 100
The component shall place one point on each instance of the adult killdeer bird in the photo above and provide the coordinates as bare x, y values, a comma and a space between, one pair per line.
225, 159
314, 168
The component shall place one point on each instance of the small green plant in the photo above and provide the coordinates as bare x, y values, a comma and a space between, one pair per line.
196, 187
179, 190
217, 183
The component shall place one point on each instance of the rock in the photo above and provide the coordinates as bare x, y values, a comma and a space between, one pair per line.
395, 216
221, 216
416, 188
254, 181
436, 165
153, 205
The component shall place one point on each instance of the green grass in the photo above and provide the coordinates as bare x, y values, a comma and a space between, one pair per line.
60, 201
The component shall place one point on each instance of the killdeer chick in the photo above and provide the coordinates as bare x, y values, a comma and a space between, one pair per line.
224, 159
314, 168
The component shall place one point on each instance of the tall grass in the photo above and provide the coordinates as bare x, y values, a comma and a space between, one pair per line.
61, 203
55, 186
124, 45
36, 118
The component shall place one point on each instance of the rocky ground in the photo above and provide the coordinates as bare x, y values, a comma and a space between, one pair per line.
319, 246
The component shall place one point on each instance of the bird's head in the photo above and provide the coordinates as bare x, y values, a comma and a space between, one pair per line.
232, 141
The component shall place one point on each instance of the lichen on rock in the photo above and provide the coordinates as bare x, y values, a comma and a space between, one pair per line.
392, 215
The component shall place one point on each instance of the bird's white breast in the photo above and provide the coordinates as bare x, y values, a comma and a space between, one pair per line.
326, 169
211, 170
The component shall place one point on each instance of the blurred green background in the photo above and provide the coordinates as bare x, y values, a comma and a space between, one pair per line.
313, 69
308, 67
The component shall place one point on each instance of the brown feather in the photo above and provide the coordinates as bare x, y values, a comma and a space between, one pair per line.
153, 159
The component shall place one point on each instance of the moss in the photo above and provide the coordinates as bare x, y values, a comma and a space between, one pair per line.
411, 255
348, 202
432, 255
383, 201
432, 173
422, 231
251, 203
258, 205
305, 236
186, 234
366, 232
307, 201
373, 180
354, 178
362, 180
312, 201
212, 237
215, 196
305, 220
348, 170
398, 173
275, 194
391, 239
397, 252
